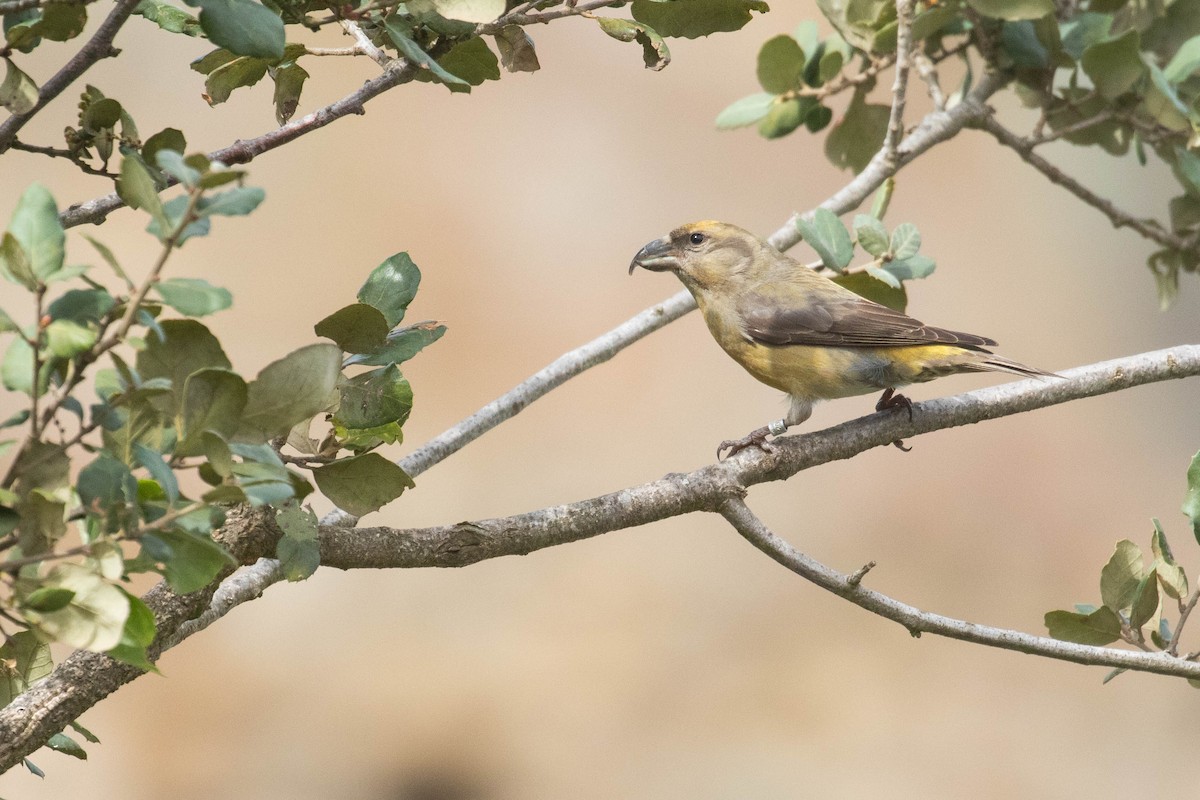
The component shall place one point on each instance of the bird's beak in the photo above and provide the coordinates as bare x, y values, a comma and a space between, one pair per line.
658, 256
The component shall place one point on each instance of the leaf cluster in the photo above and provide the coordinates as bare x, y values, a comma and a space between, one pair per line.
1134, 596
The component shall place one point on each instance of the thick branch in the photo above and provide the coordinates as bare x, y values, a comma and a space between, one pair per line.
85, 678
1148, 228
918, 621
98, 47
706, 488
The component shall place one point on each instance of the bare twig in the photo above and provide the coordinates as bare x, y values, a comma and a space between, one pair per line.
395, 73
55, 152
895, 128
1148, 228
364, 44
927, 71
1185, 611
98, 47
918, 621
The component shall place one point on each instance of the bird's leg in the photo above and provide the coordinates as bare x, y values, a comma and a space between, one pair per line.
755, 438
889, 399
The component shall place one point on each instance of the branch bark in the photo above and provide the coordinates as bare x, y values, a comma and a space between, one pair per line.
917, 621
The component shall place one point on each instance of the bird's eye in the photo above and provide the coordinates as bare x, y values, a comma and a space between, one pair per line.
696, 238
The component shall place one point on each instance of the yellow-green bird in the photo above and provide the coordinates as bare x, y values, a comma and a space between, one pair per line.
801, 332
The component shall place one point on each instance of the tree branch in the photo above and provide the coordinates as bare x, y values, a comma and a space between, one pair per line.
895, 128
1148, 228
396, 72
917, 621
98, 47
706, 488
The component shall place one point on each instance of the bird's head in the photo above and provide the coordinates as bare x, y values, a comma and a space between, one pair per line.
703, 254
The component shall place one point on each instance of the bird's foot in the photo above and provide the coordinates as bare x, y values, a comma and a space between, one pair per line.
755, 438
889, 399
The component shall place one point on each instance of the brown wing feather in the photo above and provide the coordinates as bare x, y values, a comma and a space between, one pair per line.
845, 322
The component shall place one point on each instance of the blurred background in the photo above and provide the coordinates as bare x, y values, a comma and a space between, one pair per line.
672, 660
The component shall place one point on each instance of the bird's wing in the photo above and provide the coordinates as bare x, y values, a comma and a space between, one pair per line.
784, 314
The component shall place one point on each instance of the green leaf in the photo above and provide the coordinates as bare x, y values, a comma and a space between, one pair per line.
858, 136
64, 744
655, 53
14, 263
911, 268
826, 234
48, 598
18, 92
1185, 62
1013, 9
1020, 42
1145, 601
173, 163
105, 484
399, 30
137, 189
187, 561
871, 233
169, 18
62, 22
213, 401
785, 116
265, 484
362, 484
818, 118
67, 339
470, 10
906, 241
99, 115
1115, 65
1101, 627
242, 27
517, 53
1121, 575
780, 64
299, 552
1191, 500
690, 19
234, 74
1083, 31
746, 111
193, 297
136, 636
27, 659
42, 522
16, 370
473, 61
82, 305
289, 390
94, 618
357, 328
883, 275
833, 57
158, 469
36, 228
1171, 576
374, 399
401, 345
187, 348
391, 287
289, 83
232, 203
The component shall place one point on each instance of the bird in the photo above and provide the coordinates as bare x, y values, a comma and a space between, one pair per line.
799, 332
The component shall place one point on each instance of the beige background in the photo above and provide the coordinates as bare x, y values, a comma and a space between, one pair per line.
672, 661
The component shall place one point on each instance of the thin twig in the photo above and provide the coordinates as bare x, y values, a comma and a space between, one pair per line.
364, 44
96, 48
1148, 228
895, 129
917, 621
55, 152
927, 71
1185, 611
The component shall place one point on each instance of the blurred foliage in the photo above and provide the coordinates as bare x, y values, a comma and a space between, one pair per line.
1118, 75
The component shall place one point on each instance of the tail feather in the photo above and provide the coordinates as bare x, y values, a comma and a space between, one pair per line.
994, 363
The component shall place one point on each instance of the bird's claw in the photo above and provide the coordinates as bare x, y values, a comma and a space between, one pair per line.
889, 399
756, 438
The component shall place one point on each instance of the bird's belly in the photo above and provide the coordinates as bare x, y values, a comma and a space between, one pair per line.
821, 373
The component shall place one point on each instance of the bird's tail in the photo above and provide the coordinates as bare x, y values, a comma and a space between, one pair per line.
990, 362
